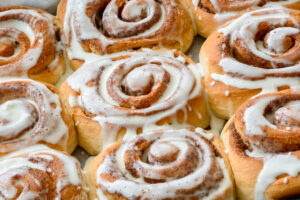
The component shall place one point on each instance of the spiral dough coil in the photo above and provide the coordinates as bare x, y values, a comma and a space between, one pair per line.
256, 53
122, 96
164, 164
262, 140
39, 172
103, 27
211, 14
31, 113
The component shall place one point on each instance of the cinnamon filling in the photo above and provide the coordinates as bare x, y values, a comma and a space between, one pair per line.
138, 87
7, 48
173, 162
10, 122
277, 130
218, 6
277, 43
122, 18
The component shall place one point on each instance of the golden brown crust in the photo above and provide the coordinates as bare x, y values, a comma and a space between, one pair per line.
205, 13
41, 172
20, 90
246, 169
193, 113
40, 59
226, 97
176, 31
93, 166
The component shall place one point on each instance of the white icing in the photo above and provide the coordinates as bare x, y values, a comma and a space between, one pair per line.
28, 58
76, 19
21, 164
131, 187
254, 118
184, 84
55, 130
223, 17
14, 111
245, 28
49, 5
277, 36
256, 121
289, 112
275, 166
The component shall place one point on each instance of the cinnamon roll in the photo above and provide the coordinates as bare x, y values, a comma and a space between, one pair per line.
211, 14
48, 5
39, 172
101, 27
254, 54
31, 113
30, 44
164, 164
263, 142
121, 96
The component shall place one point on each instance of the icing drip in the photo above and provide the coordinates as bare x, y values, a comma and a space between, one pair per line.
132, 175
271, 124
275, 166
130, 21
29, 113
226, 10
49, 5
29, 170
117, 101
24, 34
275, 67
276, 39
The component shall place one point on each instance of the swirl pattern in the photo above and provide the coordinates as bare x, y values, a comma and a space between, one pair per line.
108, 26
265, 133
31, 113
48, 5
164, 164
39, 172
30, 45
256, 53
136, 91
210, 14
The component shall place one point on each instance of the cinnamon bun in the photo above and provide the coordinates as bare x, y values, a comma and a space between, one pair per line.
211, 14
121, 96
254, 54
31, 113
102, 27
39, 172
164, 164
48, 5
263, 142
30, 44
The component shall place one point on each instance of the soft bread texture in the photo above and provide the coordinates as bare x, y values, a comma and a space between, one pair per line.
32, 113
48, 5
30, 44
39, 172
257, 158
239, 66
101, 176
125, 26
209, 15
169, 93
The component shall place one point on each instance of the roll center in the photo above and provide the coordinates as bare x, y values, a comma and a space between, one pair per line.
134, 11
138, 82
16, 116
163, 152
279, 40
288, 115
7, 47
